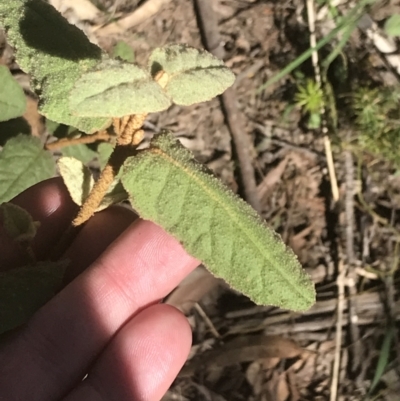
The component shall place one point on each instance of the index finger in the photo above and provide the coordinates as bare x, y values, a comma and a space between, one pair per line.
55, 349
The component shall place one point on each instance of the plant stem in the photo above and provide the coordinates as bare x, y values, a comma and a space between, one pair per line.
129, 134
99, 136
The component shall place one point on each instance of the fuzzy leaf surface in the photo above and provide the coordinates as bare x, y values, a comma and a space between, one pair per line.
23, 163
194, 75
18, 223
167, 186
12, 98
24, 290
79, 181
55, 53
117, 89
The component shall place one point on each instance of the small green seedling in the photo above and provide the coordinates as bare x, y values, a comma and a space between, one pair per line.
108, 99
310, 98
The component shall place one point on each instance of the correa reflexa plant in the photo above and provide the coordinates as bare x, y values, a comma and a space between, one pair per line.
80, 86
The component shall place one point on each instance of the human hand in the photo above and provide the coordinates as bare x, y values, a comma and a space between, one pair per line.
106, 322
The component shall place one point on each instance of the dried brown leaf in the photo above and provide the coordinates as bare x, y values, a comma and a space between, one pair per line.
246, 349
272, 177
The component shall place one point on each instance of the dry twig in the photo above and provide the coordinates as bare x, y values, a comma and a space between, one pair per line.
356, 351
139, 15
235, 120
99, 136
335, 195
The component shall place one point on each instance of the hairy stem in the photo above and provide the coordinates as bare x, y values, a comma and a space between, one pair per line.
129, 134
99, 136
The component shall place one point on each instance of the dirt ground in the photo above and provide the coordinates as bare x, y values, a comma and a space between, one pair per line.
346, 235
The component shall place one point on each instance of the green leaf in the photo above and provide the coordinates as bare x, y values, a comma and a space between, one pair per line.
77, 178
81, 152
193, 75
12, 98
55, 53
123, 51
384, 357
24, 290
392, 25
104, 150
18, 223
167, 186
117, 89
79, 181
23, 163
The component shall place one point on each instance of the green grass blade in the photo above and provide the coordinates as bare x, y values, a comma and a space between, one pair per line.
354, 14
383, 358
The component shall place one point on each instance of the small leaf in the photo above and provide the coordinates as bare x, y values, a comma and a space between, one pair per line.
193, 75
167, 186
24, 290
55, 53
18, 223
116, 89
104, 150
12, 98
23, 163
392, 25
77, 178
123, 51
79, 181
80, 151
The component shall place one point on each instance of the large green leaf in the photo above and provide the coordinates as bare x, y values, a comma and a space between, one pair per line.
166, 185
23, 163
193, 75
117, 89
12, 98
24, 290
55, 53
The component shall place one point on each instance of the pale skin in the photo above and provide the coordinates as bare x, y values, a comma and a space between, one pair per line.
107, 321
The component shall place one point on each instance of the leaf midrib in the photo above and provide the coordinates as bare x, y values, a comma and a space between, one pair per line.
216, 198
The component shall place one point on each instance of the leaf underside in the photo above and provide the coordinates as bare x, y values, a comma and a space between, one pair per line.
34, 165
79, 181
117, 89
55, 53
167, 186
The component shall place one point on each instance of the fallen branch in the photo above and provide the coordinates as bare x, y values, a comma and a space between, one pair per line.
139, 15
212, 41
